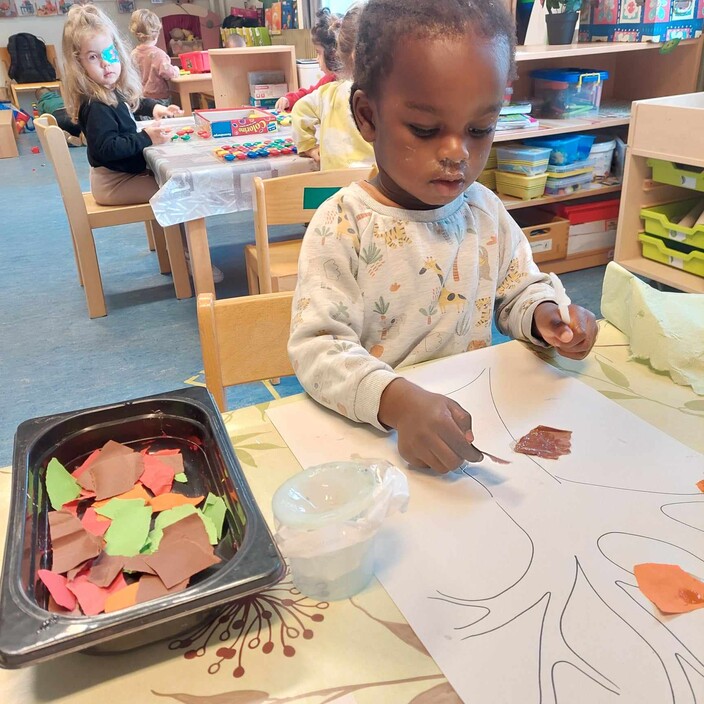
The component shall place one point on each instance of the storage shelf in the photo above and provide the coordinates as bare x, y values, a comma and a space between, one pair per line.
535, 53
550, 127
668, 275
594, 189
649, 154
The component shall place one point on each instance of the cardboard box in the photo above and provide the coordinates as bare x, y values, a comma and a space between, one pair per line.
263, 91
234, 122
546, 233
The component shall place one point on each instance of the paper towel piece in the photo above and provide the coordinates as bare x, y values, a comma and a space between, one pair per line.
666, 329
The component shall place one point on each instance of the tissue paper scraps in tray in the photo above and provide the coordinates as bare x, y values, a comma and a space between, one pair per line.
669, 587
120, 535
543, 441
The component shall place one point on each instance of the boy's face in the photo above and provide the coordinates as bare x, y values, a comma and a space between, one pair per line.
432, 123
100, 60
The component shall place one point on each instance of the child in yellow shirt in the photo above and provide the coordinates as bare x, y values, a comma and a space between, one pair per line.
338, 143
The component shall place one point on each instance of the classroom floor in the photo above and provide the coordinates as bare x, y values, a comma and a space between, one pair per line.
53, 358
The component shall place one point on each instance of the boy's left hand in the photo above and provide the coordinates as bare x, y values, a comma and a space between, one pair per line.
574, 340
163, 111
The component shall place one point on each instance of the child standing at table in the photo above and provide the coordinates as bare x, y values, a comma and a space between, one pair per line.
153, 64
323, 128
103, 93
413, 264
324, 38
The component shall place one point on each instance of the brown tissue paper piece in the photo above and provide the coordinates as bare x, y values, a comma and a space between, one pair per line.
666, 329
71, 543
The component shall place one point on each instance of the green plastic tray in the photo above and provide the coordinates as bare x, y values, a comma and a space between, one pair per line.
658, 250
661, 220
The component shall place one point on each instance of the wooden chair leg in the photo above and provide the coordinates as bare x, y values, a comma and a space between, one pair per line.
92, 283
75, 256
156, 233
177, 258
150, 240
199, 254
252, 276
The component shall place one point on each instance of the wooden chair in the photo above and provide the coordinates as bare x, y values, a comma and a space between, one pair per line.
85, 215
287, 200
16, 88
243, 339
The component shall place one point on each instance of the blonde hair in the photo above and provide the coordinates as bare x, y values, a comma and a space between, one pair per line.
85, 21
347, 38
145, 25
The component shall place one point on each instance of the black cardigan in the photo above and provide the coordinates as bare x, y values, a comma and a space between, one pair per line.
112, 137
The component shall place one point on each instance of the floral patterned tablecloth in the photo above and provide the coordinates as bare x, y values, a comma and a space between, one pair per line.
279, 646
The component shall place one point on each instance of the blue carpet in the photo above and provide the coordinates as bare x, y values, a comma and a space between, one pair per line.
54, 358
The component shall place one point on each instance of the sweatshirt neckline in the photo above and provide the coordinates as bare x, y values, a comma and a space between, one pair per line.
432, 215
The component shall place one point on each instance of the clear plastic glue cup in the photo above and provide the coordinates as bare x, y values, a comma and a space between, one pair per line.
326, 519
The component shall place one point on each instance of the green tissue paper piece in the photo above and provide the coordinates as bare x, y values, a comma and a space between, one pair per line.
116, 507
173, 515
215, 509
181, 477
60, 485
129, 529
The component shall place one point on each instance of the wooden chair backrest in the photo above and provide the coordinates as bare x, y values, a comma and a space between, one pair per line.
53, 142
50, 54
244, 339
288, 200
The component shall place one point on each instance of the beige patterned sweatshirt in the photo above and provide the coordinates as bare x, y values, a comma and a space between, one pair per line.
381, 288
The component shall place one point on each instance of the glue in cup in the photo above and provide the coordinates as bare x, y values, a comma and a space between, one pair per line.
326, 519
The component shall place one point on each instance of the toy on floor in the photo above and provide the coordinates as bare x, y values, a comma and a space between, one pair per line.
256, 150
282, 118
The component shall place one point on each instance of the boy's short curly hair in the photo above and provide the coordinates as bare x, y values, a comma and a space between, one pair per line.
145, 25
324, 34
383, 23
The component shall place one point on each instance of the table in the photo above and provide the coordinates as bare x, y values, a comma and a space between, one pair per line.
357, 650
186, 85
194, 183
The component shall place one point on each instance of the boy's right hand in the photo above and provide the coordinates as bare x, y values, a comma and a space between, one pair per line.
281, 104
433, 430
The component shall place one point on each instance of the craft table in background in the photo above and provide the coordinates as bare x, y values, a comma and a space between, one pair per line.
280, 646
195, 183
190, 84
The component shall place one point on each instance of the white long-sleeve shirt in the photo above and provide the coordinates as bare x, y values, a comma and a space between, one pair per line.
381, 287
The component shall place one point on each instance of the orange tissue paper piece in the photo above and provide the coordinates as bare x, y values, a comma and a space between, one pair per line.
136, 492
163, 502
94, 522
122, 598
700, 485
669, 587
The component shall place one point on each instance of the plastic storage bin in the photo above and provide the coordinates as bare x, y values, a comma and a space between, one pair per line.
661, 220
570, 169
488, 178
568, 183
677, 174
520, 186
602, 154
562, 93
187, 420
673, 253
518, 159
566, 150
195, 61
592, 225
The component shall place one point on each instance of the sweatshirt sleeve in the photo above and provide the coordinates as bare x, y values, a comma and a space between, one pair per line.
166, 69
521, 286
103, 135
327, 319
305, 119
294, 96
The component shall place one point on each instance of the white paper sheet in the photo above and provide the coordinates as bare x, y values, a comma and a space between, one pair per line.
518, 579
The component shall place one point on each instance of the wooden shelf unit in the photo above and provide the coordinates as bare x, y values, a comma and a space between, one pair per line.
229, 68
670, 128
637, 71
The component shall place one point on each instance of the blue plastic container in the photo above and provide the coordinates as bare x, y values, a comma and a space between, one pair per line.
563, 93
566, 149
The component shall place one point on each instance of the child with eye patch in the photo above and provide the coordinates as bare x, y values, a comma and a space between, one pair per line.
103, 93
414, 263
